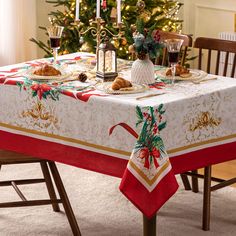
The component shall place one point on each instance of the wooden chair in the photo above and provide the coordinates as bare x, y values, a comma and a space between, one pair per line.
206, 46
220, 46
187, 42
9, 158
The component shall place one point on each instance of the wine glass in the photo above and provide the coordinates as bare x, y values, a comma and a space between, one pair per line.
173, 49
55, 32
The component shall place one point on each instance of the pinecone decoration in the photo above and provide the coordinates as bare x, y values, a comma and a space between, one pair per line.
141, 55
82, 77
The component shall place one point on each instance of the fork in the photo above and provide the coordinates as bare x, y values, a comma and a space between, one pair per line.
203, 80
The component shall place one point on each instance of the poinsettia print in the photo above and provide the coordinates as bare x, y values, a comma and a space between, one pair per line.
42, 91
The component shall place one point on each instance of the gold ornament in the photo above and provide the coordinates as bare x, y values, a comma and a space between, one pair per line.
131, 49
113, 13
123, 41
146, 16
116, 43
133, 27
140, 5
86, 47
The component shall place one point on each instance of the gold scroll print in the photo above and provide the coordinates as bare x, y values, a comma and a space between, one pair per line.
204, 120
41, 116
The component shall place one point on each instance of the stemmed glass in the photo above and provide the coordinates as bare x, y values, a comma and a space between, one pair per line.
55, 32
173, 48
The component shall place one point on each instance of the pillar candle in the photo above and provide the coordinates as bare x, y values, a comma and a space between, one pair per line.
98, 8
77, 10
118, 11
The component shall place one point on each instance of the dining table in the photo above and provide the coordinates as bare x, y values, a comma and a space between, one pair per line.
145, 136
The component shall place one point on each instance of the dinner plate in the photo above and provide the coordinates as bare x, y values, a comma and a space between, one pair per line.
40, 78
195, 75
136, 88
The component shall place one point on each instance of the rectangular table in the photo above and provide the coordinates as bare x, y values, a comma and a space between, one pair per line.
145, 142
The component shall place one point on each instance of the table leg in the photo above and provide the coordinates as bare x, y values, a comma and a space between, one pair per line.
206, 199
149, 226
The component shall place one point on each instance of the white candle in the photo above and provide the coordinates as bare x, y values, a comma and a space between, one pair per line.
77, 10
118, 11
98, 8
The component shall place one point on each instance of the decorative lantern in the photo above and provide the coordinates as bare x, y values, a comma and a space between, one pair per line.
106, 61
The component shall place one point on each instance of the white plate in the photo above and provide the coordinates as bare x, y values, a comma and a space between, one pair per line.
195, 75
136, 88
64, 74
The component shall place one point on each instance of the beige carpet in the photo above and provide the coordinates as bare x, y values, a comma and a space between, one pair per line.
101, 210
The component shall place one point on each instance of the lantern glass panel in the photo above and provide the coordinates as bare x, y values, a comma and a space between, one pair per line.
101, 61
109, 61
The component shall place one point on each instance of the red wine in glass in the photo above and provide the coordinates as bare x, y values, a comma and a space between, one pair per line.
55, 42
173, 57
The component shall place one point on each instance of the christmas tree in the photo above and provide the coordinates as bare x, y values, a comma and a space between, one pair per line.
156, 14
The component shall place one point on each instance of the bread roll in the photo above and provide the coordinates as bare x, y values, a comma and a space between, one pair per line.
47, 70
119, 83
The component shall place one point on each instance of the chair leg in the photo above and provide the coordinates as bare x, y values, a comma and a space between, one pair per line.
65, 200
185, 181
49, 185
206, 199
195, 187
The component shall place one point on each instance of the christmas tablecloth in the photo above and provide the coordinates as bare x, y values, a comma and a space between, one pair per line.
146, 142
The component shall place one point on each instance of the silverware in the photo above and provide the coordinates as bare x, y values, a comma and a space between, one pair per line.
149, 96
203, 80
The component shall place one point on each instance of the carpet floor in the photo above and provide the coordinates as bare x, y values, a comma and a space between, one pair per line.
101, 210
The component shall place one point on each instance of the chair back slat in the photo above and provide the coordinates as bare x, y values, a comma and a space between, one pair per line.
233, 66
187, 42
209, 61
200, 59
209, 45
217, 62
226, 63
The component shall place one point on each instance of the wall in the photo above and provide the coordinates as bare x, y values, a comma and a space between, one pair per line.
208, 18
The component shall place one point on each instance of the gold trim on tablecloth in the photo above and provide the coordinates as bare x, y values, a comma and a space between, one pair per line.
72, 140
201, 143
113, 150
147, 180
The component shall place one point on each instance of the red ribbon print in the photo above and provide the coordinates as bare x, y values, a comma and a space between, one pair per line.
40, 89
145, 154
126, 127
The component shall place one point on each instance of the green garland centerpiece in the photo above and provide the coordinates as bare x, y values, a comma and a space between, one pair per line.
145, 42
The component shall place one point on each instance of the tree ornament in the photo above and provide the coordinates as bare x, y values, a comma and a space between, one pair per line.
104, 5
116, 43
81, 40
123, 41
146, 16
140, 5
86, 47
82, 77
113, 14
131, 49
133, 28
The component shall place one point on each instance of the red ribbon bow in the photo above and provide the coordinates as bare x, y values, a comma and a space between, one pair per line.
40, 89
144, 153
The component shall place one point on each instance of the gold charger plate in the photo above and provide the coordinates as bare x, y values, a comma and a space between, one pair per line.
136, 88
